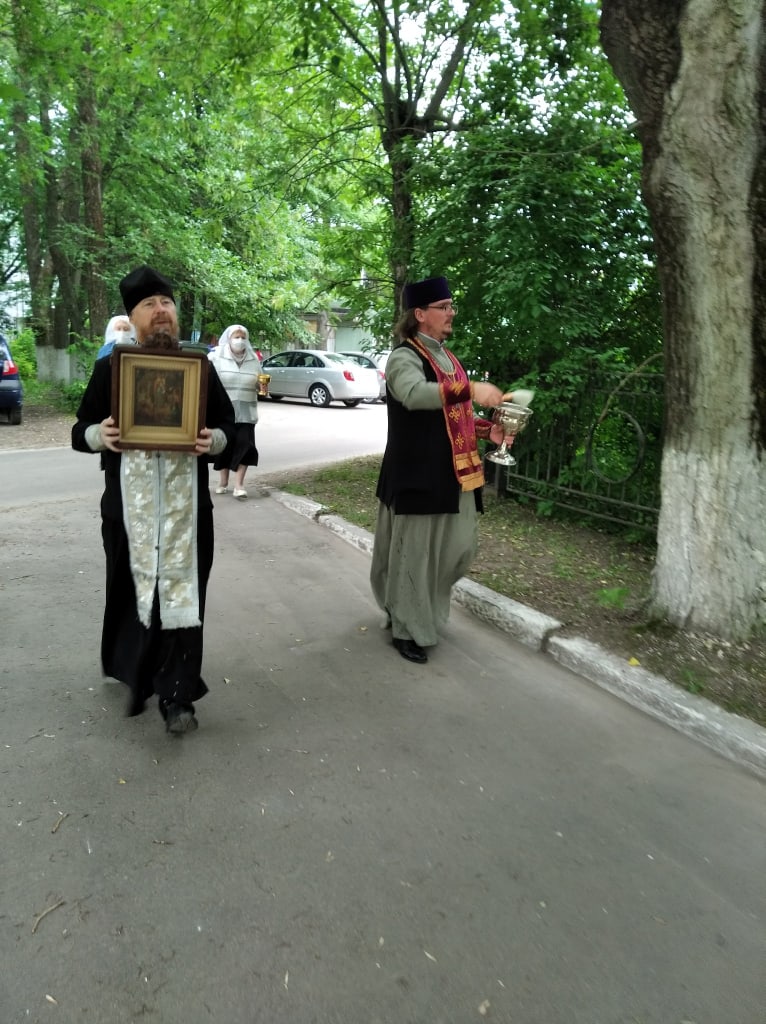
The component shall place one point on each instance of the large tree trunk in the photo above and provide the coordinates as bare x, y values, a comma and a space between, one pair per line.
405, 85
39, 271
64, 217
92, 174
55, 362
32, 190
403, 235
693, 71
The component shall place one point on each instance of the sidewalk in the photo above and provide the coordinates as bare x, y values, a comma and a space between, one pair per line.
737, 738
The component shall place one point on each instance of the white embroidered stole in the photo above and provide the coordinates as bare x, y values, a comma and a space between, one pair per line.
159, 501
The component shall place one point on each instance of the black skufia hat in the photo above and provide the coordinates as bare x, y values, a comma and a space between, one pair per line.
420, 294
142, 282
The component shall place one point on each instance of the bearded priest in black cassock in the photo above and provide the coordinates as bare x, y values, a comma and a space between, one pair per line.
157, 526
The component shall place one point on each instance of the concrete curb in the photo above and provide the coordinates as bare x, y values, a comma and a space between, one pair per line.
736, 738
524, 624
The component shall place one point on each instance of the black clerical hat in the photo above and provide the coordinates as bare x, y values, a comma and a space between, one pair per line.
420, 294
140, 284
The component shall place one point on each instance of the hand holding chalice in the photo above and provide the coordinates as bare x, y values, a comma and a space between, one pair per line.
512, 417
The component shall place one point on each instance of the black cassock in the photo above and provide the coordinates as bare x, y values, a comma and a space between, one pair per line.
150, 660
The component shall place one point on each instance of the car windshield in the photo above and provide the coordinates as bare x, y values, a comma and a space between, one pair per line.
335, 357
281, 359
359, 358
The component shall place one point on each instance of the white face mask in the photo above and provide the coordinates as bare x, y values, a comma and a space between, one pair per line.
121, 335
237, 344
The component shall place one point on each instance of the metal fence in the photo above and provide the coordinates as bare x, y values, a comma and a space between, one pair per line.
601, 458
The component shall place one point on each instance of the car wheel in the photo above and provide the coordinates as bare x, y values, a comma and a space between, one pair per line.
276, 398
319, 395
14, 416
353, 402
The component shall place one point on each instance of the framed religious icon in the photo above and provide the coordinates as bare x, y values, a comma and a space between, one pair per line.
159, 396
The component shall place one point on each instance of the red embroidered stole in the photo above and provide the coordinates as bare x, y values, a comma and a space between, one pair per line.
455, 390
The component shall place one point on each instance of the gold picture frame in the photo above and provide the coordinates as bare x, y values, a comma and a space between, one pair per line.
159, 397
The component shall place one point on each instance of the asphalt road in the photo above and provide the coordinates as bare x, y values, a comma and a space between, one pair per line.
289, 435
348, 838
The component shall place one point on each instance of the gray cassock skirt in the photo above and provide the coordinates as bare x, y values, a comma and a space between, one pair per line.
415, 562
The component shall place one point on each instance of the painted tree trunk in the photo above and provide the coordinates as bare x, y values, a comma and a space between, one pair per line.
693, 71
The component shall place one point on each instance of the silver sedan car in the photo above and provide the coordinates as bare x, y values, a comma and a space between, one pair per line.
322, 377
364, 360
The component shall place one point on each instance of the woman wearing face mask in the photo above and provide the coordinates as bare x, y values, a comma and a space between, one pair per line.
238, 367
119, 331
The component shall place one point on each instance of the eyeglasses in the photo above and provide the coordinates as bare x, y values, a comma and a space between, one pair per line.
447, 308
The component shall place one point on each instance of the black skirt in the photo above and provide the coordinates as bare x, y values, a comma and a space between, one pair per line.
242, 452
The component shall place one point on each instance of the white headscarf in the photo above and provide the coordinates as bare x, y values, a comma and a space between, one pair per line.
239, 374
223, 341
110, 334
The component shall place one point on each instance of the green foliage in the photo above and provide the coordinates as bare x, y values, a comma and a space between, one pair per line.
594, 442
193, 173
41, 393
612, 597
47, 394
346, 488
254, 160
71, 395
24, 355
536, 215
84, 352
692, 682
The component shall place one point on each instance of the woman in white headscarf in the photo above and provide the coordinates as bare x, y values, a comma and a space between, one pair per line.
119, 331
238, 367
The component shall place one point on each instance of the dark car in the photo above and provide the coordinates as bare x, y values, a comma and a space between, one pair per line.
11, 390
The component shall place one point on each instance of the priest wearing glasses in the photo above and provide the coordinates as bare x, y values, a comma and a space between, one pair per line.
431, 477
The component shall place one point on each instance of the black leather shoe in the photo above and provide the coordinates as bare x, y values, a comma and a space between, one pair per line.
179, 718
410, 650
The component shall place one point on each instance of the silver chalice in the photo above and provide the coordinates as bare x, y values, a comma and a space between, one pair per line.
513, 419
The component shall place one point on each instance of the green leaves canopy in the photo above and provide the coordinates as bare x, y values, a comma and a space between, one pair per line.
272, 159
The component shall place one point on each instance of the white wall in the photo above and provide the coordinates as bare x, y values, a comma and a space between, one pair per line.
56, 364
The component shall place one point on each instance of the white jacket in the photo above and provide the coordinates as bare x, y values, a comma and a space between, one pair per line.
240, 379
